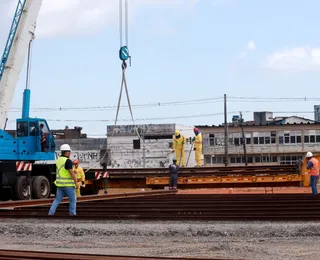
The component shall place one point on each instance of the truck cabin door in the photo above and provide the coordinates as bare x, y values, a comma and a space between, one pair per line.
34, 136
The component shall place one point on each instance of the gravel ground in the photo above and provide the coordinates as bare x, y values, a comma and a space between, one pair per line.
255, 240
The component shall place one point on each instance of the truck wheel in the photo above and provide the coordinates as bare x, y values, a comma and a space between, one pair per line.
20, 191
40, 187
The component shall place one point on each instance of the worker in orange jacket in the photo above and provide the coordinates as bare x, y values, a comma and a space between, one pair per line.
313, 167
197, 146
80, 176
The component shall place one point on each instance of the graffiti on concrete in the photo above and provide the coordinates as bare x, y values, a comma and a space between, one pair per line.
84, 156
151, 129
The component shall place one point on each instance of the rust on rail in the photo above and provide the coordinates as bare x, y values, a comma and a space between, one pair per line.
45, 202
20, 254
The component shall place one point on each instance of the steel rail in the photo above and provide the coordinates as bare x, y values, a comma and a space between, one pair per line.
36, 255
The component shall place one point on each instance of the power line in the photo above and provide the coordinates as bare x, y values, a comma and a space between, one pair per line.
142, 119
147, 105
233, 99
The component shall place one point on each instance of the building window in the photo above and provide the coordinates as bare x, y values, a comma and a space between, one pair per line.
290, 159
298, 139
286, 138
273, 137
312, 139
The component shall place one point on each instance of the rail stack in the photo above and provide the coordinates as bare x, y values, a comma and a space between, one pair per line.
171, 206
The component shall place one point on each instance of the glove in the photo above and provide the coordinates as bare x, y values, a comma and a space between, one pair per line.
172, 151
194, 149
193, 139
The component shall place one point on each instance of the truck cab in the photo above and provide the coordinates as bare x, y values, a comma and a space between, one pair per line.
34, 142
34, 139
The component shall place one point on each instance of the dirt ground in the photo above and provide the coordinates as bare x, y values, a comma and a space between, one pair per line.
254, 240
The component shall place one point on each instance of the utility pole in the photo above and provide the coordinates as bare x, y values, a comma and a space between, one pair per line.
144, 150
226, 140
243, 141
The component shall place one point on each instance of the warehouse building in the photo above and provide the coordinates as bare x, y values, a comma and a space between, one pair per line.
268, 140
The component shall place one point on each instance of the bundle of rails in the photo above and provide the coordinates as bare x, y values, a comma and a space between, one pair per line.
235, 207
37, 255
45, 202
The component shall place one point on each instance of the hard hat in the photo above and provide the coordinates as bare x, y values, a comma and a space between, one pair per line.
195, 129
65, 148
177, 132
309, 154
76, 161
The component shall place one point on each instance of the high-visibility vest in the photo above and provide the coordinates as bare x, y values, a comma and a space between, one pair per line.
314, 171
63, 177
179, 142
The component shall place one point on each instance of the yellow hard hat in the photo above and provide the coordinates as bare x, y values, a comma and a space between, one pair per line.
177, 132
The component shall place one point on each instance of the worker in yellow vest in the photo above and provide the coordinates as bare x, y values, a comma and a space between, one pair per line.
80, 176
66, 181
197, 146
179, 141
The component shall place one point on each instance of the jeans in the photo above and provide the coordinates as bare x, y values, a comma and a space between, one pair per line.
173, 180
313, 184
70, 192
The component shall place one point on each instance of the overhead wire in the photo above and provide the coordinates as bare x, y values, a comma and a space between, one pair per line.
175, 103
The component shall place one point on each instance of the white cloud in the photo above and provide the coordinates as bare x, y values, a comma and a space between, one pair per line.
64, 17
295, 59
86, 16
251, 45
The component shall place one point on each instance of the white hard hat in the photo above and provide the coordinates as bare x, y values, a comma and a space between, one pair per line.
309, 154
65, 148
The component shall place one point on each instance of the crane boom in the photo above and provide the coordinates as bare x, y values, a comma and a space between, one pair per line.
21, 32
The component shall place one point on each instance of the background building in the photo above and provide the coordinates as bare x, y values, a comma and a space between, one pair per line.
269, 140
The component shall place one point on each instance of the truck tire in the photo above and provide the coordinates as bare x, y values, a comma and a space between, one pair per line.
20, 190
41, 188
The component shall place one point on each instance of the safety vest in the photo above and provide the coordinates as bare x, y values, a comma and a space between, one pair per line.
314, 171
63, 177
178, 142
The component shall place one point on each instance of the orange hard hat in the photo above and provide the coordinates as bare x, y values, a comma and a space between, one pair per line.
195, 129
76, 161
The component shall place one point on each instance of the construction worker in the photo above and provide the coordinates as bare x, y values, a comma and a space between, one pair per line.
80, 176
66, 181
179, 141
197, 146
174, 171
313, 167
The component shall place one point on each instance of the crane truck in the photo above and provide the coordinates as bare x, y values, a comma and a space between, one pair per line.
21, 177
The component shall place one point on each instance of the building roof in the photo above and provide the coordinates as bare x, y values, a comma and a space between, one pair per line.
279, 120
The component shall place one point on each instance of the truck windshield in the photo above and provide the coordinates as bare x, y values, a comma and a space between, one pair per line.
22, 129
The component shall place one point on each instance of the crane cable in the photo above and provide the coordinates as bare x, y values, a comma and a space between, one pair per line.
124, 56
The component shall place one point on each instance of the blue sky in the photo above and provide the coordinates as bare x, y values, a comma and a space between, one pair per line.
181, 50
